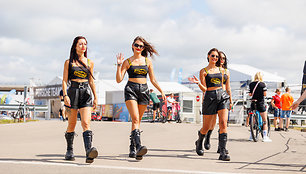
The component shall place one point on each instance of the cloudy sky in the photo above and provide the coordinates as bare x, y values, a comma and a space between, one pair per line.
36, 35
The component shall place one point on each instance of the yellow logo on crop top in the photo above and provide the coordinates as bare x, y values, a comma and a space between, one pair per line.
140, 71
215, 80
80, 74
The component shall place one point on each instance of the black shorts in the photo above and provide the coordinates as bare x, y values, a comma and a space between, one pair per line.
213, 102
260, 106
79, 95
138, 92
169, 108
156, 106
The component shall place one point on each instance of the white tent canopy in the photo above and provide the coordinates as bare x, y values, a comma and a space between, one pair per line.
241, 72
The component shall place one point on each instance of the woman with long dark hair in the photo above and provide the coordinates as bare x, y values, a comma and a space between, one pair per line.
215, 102
78, 71
136, 91
222, 62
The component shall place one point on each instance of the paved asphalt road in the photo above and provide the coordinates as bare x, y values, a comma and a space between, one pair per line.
39, 147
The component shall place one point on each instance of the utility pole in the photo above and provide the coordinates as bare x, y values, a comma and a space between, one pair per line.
24, 103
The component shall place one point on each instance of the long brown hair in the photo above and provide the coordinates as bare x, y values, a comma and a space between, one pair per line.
147, 49
218, 63
75, 57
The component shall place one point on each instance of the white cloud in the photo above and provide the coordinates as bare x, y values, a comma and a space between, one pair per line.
265, 34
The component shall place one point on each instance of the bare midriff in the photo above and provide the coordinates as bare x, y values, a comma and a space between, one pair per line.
79, 80
138, 80
213, 88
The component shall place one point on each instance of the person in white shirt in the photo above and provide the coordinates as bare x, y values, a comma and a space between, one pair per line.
170, 101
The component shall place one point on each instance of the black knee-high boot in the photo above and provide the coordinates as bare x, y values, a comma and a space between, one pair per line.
69, 138
207, 140
140, 150
91, 152
132, 153
199, 144
218, 151
222, 142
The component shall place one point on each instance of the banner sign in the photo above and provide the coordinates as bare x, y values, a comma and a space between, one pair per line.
120, 113
47, 92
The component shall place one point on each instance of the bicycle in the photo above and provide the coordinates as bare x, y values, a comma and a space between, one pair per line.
20, 112
256, 123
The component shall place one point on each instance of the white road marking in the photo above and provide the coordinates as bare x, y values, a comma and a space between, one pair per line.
109, 167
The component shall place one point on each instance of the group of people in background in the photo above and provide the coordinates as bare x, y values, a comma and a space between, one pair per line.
157, 105
282, 109
214, 81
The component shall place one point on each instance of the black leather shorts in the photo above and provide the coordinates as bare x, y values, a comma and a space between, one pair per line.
138, 92
213, 102
80, 95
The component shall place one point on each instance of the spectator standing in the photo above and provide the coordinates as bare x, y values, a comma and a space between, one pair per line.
286, 101
170, 101
62, 109
156, 104
275, 102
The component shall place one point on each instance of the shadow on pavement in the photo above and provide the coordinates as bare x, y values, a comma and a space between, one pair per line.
49, 160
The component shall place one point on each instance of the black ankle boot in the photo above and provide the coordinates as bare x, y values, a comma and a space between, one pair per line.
222, 142
69, 138
199, 144
132, 153
207, 140
140, 150
218, 151
91, 152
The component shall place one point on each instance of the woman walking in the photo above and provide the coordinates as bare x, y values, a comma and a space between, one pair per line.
78, 70
216, 101
222, 62
136, 91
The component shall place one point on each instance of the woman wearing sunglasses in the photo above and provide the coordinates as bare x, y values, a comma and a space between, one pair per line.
215, 102
136, 91
222, 62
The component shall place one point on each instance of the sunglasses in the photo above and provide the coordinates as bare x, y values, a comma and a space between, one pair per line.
222, 58
213, 56
138, 46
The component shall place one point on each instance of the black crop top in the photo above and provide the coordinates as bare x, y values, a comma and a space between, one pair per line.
139, 71
78, 72
213, 80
